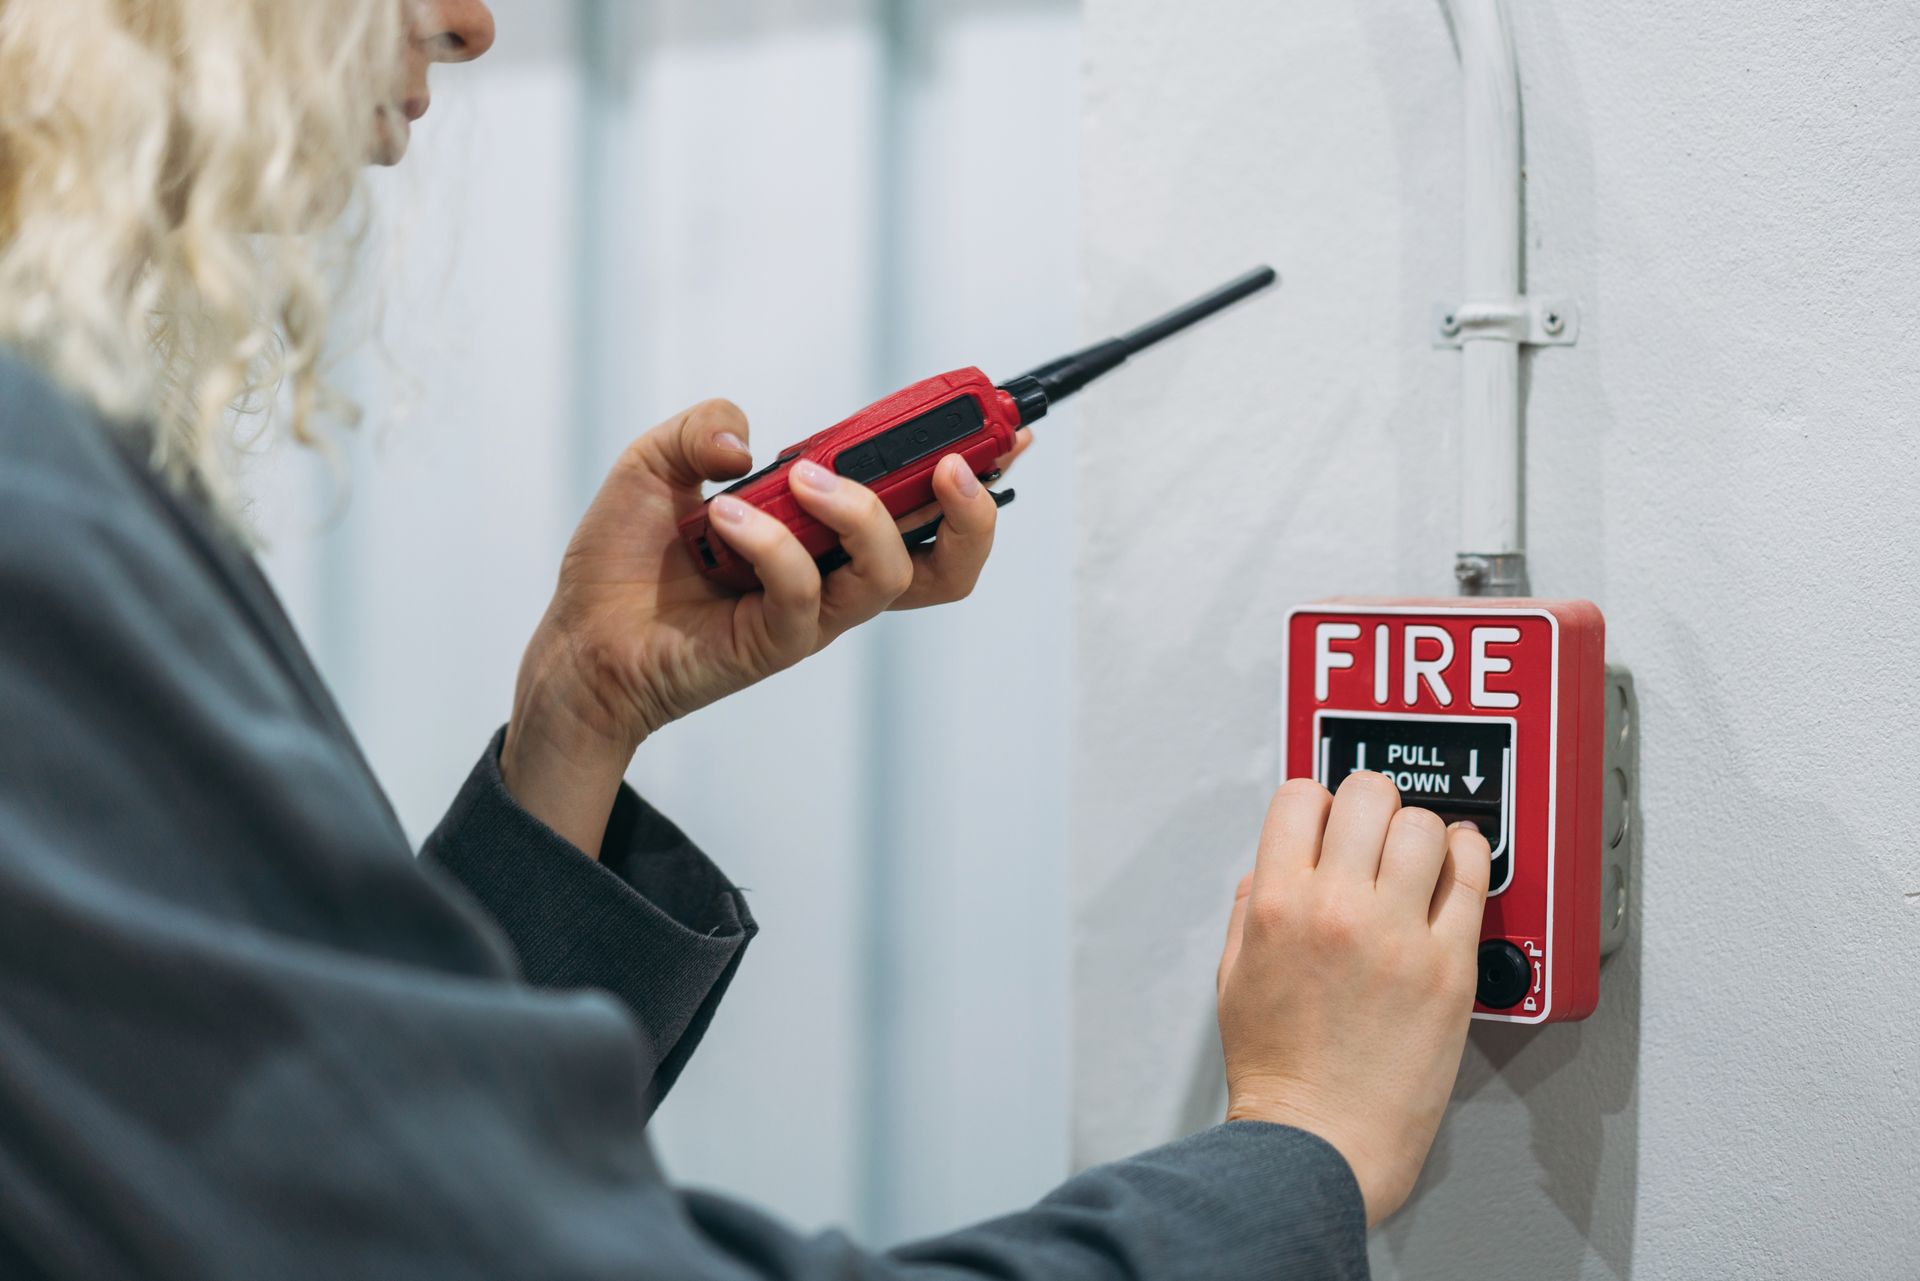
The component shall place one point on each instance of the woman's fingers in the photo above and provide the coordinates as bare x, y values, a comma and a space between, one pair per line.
878, 569
1357, 827
781, 625
708, 442
1022, 440
1290, 837
1460, 899
1410, 861
949, 570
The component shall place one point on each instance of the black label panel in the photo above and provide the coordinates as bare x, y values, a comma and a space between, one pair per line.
1458, 767
911, 441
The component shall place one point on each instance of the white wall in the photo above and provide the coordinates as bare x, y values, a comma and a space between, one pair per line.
630, 207
1725, 463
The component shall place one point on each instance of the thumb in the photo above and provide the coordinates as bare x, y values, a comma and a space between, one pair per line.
707, 442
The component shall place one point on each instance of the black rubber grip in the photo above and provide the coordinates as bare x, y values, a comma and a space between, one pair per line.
911, 441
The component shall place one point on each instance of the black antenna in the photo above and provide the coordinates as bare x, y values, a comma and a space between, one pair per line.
1038, 389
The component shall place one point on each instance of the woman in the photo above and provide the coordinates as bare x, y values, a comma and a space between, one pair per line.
242, 1031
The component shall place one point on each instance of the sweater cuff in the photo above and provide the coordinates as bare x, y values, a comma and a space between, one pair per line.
1243, 1201
1301, 1213
653, 922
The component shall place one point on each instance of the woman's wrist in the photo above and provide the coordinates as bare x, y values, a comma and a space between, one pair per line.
560, 765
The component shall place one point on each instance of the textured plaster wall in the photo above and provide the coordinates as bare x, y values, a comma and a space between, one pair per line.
1726, 463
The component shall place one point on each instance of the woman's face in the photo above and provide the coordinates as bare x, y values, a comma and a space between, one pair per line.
437, 31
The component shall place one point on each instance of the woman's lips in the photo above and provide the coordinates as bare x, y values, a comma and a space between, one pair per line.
414, 108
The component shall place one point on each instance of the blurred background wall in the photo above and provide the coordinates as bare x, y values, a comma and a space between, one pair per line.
800, 205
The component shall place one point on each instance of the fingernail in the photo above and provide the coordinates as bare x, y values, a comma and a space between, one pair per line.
727, 440
965, 480
728, 510
813, 476
1467, 825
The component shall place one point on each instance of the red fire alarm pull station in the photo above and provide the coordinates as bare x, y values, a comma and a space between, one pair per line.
1502, 712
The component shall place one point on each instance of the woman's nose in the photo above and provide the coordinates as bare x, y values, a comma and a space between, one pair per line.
453, 30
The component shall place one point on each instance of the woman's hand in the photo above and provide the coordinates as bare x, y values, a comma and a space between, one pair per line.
636, 638
1348, 975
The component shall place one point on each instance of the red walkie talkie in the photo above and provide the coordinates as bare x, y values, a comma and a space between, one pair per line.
893, 446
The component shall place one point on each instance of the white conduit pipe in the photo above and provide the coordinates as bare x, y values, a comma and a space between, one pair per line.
1492, 559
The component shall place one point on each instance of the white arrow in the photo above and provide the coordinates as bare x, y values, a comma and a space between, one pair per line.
1472, 778
1360, 758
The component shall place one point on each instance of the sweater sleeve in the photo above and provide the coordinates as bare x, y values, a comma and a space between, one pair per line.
652, 921
1244, 1201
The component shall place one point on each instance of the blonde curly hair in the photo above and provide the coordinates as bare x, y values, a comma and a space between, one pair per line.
181, 201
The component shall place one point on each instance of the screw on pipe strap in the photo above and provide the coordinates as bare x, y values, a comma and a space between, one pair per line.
1492, 574
1536, 322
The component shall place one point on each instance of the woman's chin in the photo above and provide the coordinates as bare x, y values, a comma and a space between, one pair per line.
391, 136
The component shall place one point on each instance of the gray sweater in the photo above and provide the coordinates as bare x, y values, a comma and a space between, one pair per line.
245, 1033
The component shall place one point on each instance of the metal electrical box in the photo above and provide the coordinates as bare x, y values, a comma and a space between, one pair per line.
1502, 712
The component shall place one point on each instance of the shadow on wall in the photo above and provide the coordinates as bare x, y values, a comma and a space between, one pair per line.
1579, 1085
